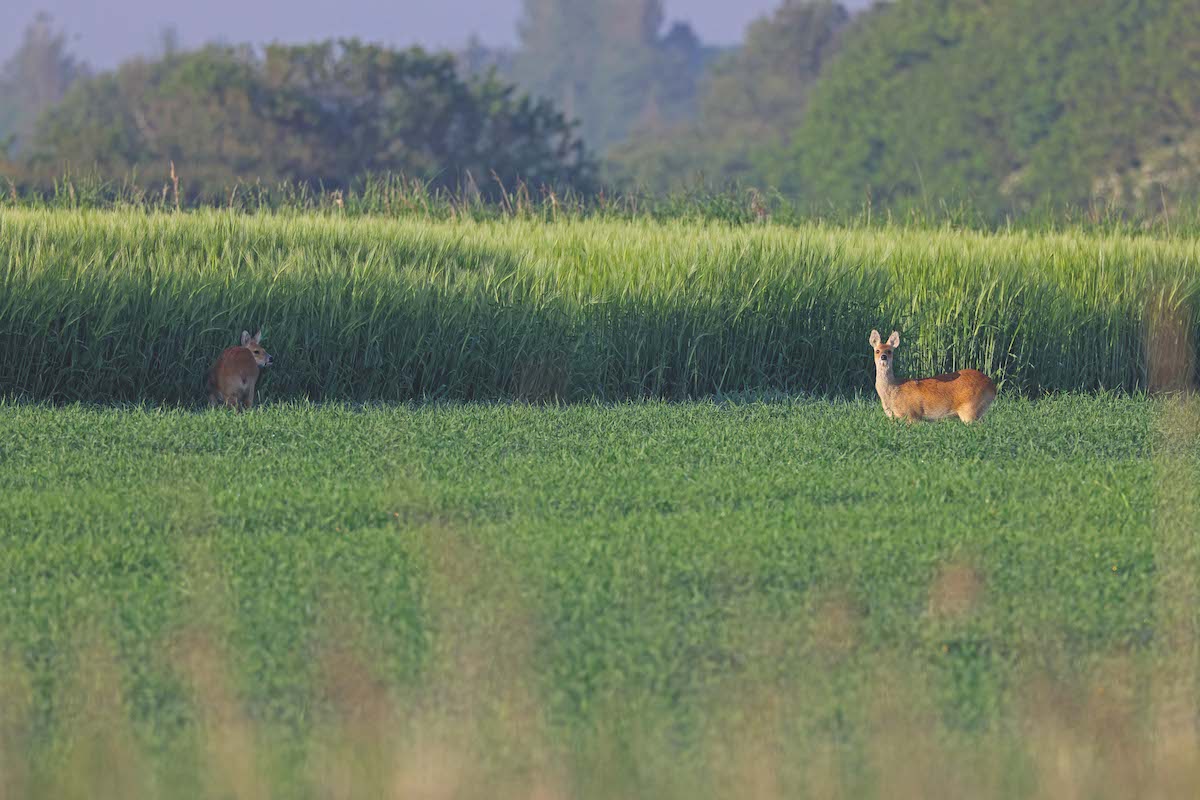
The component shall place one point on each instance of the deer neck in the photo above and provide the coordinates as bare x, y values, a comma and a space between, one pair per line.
885, 381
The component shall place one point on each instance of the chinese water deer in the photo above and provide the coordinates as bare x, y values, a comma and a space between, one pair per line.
231, 380
965, 394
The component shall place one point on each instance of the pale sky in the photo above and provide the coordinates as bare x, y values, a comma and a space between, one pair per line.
104, 32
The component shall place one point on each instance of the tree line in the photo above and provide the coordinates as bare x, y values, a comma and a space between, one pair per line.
321, 114
1005, 107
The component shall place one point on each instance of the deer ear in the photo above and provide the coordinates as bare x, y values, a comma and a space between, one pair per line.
894, 339
258, 337
245, 338
875, 339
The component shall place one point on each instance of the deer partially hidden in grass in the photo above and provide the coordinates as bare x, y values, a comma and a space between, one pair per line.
233, 377
965, 394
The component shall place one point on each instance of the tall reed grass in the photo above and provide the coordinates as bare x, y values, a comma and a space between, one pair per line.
128, 306
398, 196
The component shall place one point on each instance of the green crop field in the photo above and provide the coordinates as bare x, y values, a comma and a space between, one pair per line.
593, 508
642, 599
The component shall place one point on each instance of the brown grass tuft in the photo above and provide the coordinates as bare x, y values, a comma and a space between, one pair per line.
956, 591
230, 747
836, 620
102, 759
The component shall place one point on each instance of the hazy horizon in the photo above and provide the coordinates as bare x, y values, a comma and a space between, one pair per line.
126, 28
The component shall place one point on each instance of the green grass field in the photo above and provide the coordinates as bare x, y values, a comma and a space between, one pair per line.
785, 598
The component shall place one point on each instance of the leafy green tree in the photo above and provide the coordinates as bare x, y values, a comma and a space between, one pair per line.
752, 100
322, 114
209, 111
1006, 106
407, 111
606, 64
36, 77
